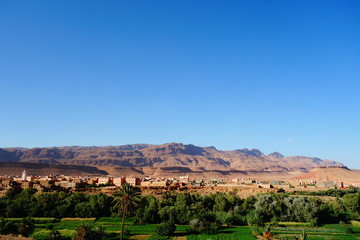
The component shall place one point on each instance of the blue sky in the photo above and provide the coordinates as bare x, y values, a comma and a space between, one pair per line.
274, 75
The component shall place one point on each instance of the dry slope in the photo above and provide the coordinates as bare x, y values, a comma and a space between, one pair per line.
331, 174
166, 155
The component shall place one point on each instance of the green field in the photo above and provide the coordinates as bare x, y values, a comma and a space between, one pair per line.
147, 232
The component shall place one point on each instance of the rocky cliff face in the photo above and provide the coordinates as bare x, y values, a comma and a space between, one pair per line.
166, 155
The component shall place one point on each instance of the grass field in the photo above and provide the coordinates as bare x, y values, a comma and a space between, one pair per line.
147, 232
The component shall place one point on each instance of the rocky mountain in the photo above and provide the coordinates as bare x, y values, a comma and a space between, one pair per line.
166, 155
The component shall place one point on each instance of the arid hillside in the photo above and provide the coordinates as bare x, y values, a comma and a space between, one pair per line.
331, 174
15, 168
166, 155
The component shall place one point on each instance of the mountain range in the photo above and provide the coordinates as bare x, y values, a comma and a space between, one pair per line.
165, 155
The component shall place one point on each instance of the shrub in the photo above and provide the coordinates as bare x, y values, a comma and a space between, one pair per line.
346, 227
89, 232
165, 229
255, 231
126, 231
213, 228
7, 227
355, 223
26, 227
203, 226
313, 223
54, 235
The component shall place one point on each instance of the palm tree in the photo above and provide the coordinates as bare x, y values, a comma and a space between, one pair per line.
127, 199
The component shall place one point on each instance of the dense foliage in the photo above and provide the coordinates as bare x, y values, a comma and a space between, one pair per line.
89, 232
205, 212
165, 229
25, 227
59, 205
331, 192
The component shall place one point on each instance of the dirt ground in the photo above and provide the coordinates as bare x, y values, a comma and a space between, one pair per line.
11, 237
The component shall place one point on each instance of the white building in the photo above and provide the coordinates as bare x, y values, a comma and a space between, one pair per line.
23, 175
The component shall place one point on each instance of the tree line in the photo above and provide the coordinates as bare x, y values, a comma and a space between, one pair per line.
182, 208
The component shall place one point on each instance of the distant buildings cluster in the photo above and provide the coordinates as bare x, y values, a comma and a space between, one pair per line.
53, 183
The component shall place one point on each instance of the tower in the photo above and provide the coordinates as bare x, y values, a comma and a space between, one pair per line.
23, 175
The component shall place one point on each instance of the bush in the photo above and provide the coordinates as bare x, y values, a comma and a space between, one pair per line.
346, 227
255, 231
165, 229
313, 223
50, 226
7, 227
349, 230
89, 232
203, 226
26, 227
54, 235
213, 228
126, 231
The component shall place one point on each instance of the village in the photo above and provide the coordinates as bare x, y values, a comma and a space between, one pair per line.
157, 185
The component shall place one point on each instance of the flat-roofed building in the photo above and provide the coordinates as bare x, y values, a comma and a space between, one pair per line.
163, 183
184, 179
26, 185
66, 184
6, 184
118, 181
134, 181
145, 183
47, 183
326, 184
38, 187
159, 184
103, 180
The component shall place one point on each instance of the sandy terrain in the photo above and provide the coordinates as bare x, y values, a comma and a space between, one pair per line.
331, 174
10, 237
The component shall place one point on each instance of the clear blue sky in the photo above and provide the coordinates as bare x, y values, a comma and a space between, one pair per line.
274, 75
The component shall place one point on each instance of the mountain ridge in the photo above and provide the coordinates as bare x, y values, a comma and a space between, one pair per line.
165, 155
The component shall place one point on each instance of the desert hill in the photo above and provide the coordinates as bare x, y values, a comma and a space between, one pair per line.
331, 174
15, 169
162, 156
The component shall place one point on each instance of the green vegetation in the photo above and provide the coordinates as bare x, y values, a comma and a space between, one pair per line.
227, 209
65, 230
89, 232
24, 226
331, 192
165, 229
216, 216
